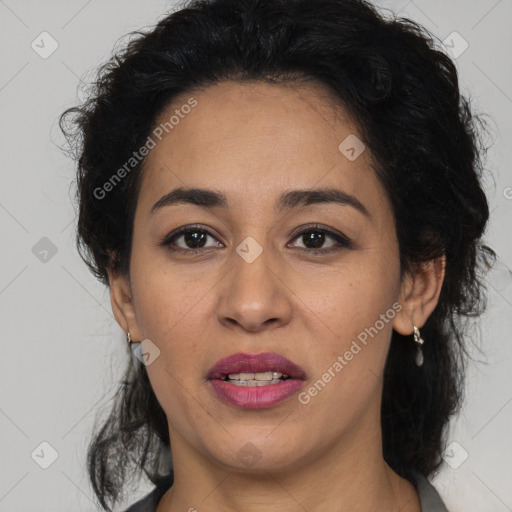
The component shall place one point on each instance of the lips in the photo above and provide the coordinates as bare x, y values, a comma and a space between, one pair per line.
255, 363
254, 396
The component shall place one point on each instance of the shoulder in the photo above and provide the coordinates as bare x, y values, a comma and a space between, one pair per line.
150, 501
429, 497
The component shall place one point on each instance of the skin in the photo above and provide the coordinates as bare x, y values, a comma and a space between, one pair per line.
253, 142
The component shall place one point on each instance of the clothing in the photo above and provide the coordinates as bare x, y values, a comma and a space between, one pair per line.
429, 498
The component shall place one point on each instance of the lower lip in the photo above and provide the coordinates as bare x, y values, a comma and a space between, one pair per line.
256, 397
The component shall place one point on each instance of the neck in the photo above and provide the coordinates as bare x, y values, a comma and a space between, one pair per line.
348, 476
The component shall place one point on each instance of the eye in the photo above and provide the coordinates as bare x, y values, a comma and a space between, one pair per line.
194, 239
314, 237
190, 239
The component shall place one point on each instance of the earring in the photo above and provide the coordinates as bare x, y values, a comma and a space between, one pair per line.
129, 339
419, 340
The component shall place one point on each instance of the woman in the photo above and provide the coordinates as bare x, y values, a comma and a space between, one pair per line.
284, 199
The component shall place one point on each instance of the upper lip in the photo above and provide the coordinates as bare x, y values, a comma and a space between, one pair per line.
254, 363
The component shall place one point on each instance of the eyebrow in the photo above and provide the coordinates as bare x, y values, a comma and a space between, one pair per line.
207, 198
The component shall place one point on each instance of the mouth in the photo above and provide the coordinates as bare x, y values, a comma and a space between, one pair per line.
255, 381
251, 369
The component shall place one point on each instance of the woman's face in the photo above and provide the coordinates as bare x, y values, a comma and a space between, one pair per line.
243, 282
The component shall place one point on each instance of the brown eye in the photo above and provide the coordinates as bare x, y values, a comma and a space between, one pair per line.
190, 239
315, 237
194, 239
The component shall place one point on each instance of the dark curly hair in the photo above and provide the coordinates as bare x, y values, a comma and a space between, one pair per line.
402, 90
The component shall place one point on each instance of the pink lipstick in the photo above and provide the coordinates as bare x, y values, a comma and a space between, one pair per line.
255, 381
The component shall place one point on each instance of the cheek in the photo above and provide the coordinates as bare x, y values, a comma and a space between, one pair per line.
167, 297
352, 297
349, 358
171, 312
354, 308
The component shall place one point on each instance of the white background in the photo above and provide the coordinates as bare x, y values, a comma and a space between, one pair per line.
62, 352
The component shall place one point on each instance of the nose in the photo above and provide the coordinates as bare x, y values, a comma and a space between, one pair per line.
254, 297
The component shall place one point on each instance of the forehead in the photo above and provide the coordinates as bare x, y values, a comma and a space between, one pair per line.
253, 137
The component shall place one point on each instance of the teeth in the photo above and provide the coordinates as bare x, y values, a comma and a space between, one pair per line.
254, 383
261, 376
255, 379
266, 376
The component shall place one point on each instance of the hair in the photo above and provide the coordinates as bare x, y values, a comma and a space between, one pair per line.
394, 79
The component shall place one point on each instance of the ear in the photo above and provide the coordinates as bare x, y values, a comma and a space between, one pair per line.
122, 303
419, 295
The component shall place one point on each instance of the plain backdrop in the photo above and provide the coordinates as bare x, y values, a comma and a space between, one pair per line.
63, 353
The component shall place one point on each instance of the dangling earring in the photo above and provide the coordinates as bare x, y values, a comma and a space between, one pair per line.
419, 340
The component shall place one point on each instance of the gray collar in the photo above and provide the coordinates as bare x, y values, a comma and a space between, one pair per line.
429, 498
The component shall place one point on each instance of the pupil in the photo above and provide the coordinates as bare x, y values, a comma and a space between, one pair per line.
315, 237
195, 237
198, 239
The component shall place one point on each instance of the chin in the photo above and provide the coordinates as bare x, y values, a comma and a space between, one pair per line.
252, 454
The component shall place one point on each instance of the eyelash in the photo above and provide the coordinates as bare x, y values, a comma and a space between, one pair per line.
342, 241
